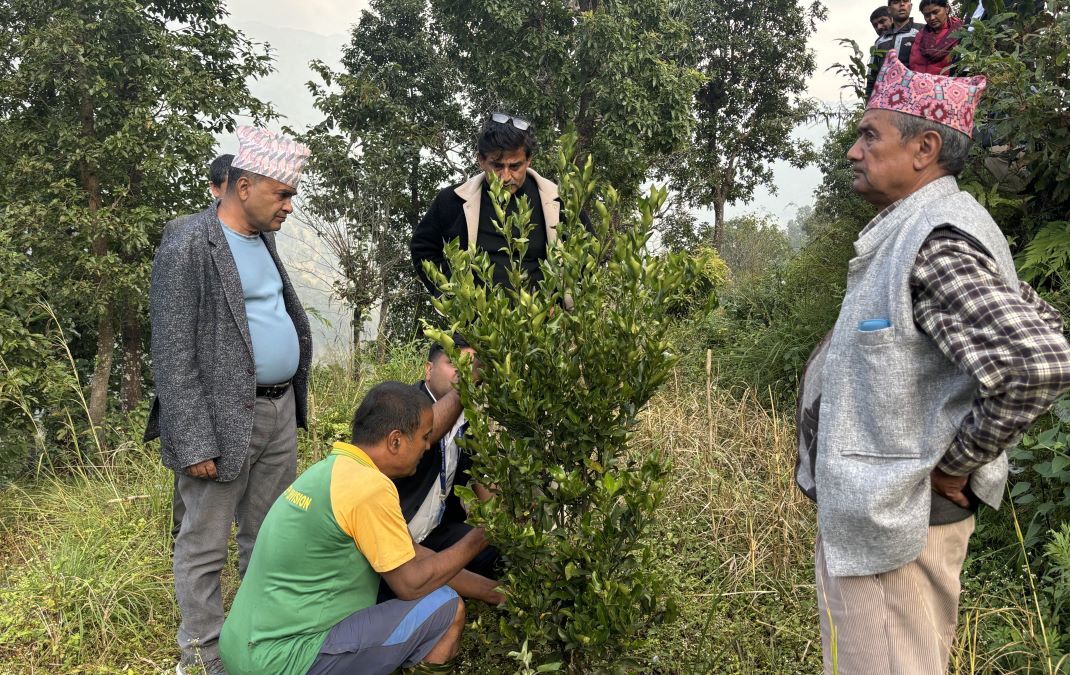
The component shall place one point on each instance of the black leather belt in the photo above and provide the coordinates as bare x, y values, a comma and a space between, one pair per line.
272, 390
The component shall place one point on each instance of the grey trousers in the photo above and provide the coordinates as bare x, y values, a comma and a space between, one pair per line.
901, 622
211, 508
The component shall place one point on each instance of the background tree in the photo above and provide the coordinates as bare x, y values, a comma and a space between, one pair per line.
756, 64
618, 73
107, 110
392, 134
752, 245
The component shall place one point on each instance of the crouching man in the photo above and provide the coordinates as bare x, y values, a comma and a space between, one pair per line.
307, 603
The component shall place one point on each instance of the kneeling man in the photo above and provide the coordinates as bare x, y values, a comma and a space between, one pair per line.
307, 603
436, 516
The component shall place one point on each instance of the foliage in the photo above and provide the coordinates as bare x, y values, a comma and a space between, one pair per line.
855, 70
30, 374
766, 328
753, 245
617, 73
391, 128
567, 365
756, 62
1024, 120
1042, 488
107, 111
1046, 258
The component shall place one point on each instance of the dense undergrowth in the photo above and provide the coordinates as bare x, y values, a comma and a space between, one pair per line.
85, 579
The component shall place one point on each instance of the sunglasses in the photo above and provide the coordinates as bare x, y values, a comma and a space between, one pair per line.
517, 122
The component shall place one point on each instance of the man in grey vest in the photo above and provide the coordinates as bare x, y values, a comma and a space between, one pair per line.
939, 361
231, 349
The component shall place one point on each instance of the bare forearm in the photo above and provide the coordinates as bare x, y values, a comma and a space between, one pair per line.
468, 584
422, 575
446, 410
482, 493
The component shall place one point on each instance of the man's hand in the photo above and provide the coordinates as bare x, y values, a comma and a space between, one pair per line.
951, 487
205, 470
491, 595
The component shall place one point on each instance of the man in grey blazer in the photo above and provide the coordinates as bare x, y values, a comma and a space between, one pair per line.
231, 349
939, 361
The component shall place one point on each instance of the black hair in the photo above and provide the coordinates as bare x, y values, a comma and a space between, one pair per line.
436, 349
233, 175
388, 406
219, 169
939, 3
500, 137
879, 13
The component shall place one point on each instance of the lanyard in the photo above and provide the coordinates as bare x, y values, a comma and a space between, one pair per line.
443, 495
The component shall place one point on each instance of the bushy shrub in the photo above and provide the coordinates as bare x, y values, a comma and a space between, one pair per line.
567, 365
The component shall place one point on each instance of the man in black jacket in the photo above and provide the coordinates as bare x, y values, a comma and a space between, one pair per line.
464, 211
900, 38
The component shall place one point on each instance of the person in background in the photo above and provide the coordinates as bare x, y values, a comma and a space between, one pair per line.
217, 175
881, 20
899, 39
939, 361
505, 147
931, 52
435, 515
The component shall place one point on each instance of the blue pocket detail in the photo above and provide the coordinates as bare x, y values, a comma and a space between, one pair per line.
870, 325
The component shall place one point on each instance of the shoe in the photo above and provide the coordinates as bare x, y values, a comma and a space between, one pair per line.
197, 667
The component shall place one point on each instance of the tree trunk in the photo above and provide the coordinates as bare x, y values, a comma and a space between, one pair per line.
132, 326
98, 389
130, 390
358, 327
380, 333
98, 385
718, 222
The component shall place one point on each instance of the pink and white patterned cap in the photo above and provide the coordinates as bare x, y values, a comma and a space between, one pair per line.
270, 154
950, 101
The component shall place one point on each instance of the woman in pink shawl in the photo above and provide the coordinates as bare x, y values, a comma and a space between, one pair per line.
931, 52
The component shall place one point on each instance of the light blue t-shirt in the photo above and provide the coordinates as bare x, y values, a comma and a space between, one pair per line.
276, 350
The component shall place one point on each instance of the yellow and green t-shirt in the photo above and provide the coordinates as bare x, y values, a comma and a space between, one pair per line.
317, 560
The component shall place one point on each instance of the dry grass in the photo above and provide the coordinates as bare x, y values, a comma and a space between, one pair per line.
737, 535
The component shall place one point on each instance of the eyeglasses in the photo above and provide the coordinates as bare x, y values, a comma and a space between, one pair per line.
517, 122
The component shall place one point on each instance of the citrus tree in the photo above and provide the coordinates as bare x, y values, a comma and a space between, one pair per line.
566, 367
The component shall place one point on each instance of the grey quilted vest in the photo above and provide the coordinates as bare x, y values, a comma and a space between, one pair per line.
891, 401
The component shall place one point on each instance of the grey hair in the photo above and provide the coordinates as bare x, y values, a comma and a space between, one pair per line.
954, 145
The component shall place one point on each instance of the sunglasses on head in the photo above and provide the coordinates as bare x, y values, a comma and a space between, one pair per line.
517, 122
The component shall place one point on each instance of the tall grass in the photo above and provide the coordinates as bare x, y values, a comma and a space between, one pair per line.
86, 585
737, 536
85, 578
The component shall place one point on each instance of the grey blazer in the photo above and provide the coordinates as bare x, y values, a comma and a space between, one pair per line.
202, 355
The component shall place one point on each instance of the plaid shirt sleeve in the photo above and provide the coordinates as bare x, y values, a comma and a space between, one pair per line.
1008, 339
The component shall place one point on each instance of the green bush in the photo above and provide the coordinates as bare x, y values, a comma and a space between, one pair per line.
552, 417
